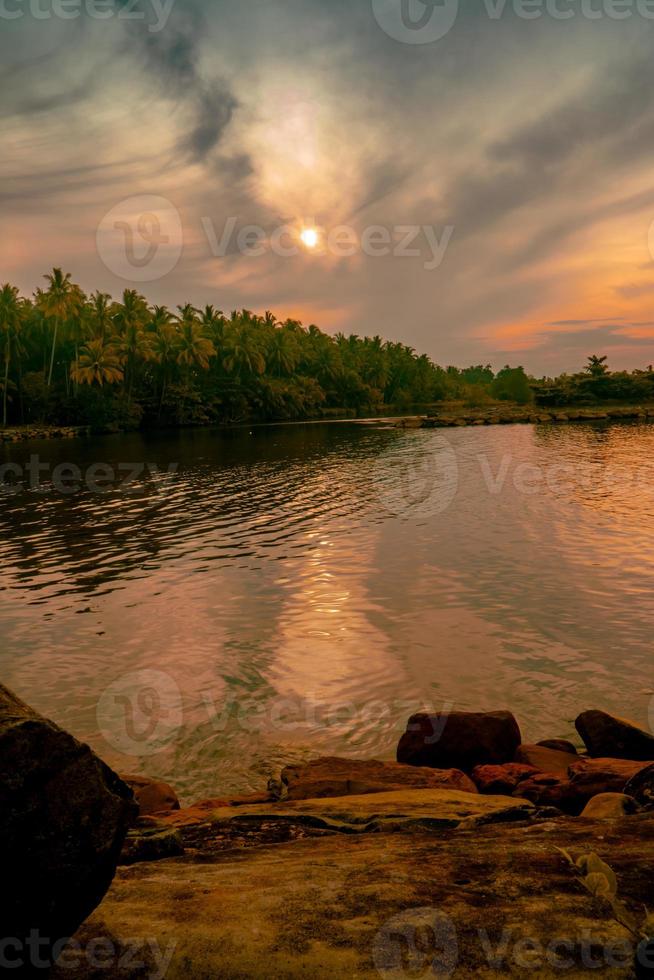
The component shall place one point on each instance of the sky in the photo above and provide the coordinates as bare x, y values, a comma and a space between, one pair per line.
478, 173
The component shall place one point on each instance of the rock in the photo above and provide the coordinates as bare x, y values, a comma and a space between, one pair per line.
544, 759
606, 736
560, 744
609, 806
377, 811
340, 905
152, 795
585, 779
499, 780
354, 777
641, 787
146, 843
63, 819
459, 740
548, 789
203, 810
590, 777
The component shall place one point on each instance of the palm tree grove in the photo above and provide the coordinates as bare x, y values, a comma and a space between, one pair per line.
74, 359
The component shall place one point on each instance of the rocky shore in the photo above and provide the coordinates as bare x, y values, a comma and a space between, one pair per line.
512, 415
473, 854
25, 433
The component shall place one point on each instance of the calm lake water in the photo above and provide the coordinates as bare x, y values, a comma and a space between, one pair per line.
289, 591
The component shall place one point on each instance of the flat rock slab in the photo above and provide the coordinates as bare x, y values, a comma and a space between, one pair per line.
359, 814
353, 777
356, 906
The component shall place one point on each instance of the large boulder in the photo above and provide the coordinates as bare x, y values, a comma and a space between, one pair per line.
63, 819
152, 795
355, 777
641, 787
606, 736
459, 740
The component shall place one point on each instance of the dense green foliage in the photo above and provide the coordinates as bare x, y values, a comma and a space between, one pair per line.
67, 358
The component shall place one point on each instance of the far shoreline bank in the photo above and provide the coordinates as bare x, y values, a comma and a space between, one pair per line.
430, 418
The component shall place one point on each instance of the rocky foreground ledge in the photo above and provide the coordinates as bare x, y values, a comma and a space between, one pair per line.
473, 855
362, 868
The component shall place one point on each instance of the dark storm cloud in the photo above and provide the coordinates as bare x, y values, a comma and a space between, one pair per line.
172, 56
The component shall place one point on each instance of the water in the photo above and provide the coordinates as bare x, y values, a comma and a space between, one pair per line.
299, 590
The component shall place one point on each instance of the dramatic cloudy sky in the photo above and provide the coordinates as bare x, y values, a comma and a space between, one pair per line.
533, 139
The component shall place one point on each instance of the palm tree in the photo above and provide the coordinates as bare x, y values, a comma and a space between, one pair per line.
100, 316
282, 354
163, 345
134, 343
194, 349
242, 355
98, 363
10, 322
57, 302
597, 366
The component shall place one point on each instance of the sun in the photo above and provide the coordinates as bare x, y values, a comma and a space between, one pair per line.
309, 237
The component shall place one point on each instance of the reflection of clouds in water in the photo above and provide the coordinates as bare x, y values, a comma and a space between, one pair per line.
271, 576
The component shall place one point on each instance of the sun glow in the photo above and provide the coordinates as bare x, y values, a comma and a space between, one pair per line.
309, 237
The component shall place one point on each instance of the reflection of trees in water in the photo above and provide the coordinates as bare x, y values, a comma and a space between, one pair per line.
238, 495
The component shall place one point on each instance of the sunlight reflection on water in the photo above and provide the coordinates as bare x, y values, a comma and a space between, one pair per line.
307, 587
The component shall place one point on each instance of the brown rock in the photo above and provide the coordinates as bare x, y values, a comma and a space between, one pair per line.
353, 777
560, 744
608, 737
203, 810
152, 795
347, 905
459, 740
146, 844
609, 806
500, 780
63, 819
590, 777
586, 778
641, 787
543, 758
549, 789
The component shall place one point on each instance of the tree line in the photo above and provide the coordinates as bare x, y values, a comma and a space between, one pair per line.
67, 358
